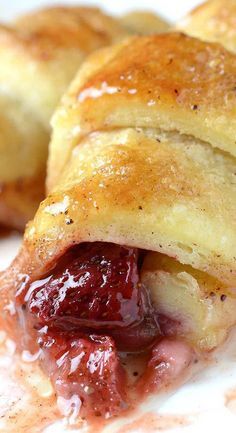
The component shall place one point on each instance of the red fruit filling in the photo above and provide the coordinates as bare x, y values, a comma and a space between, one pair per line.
87, 367
169, 359
94, 288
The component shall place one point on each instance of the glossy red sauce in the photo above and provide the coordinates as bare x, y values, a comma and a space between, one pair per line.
88, 367
83, 314
93, 286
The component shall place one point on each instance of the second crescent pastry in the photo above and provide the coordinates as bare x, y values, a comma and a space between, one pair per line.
40, 53
214, 20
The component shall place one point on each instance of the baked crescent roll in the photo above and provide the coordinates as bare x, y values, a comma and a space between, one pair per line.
144, 23
214, 20
40, 53
134, 249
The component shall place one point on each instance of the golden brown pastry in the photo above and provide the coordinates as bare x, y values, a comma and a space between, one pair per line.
134, 248
144, 23
214, 20
40, 53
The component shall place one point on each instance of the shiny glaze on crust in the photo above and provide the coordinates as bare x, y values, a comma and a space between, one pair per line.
169, 67
168, 81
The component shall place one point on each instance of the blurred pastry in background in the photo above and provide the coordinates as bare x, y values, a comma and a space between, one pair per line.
144, 22
40, 53
213, 21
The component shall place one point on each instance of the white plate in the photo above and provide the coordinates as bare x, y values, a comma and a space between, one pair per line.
208, 401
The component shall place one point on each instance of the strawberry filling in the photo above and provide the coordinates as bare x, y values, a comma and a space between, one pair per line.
92, 286
88, 309
88, 367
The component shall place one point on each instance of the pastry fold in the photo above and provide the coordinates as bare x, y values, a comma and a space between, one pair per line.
201, 307
213, 21
40, 53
